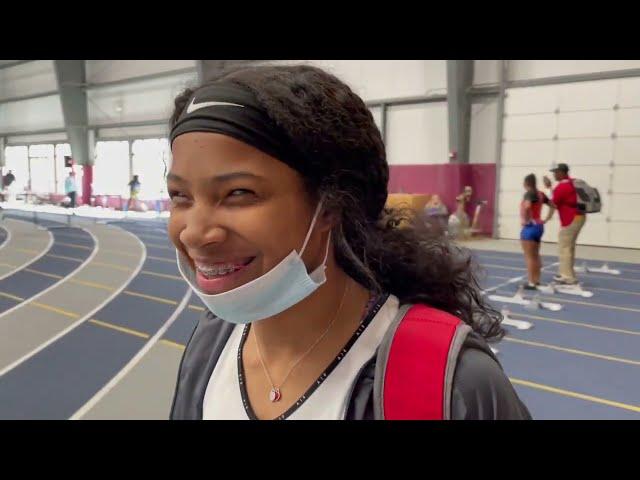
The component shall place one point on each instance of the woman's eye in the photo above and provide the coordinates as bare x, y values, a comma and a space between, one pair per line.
177, 197
239, 192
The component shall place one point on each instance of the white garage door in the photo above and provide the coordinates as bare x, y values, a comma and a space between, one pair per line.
592, 126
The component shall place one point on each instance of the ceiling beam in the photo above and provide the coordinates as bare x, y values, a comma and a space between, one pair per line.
28, 97
459, 81
139, 78
15, 64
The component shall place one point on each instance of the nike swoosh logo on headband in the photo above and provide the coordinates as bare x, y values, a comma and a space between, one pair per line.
193, 106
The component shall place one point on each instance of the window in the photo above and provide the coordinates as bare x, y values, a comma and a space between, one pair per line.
111, 170
150, 163
62, 149
42, 168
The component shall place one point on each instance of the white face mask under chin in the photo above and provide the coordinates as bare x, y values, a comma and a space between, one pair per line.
274, 292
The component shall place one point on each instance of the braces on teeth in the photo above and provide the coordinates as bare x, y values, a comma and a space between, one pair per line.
217, 271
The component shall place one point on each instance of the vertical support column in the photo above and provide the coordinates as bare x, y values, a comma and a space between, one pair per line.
87, 169
71, 78
55, 169
3, 144
130, 144
459, 80
503, 78
3, 162
383, 123
29, 170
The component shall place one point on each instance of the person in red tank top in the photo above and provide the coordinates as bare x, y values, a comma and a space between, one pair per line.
532, 229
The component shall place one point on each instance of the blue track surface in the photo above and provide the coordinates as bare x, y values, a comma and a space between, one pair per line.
27, 283
596, 354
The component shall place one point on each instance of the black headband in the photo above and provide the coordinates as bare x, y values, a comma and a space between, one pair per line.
233, 110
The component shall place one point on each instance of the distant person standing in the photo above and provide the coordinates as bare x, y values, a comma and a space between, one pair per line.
7, 181
70, 189
9, 178
532, 229
134, 191
565, 200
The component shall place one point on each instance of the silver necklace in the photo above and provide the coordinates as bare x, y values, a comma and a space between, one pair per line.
275, 394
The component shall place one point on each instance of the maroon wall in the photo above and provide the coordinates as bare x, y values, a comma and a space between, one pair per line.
87, 182
448, 180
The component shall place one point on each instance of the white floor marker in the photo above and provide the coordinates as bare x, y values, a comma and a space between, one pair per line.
573, 290
584, 268
533, 304
519, 324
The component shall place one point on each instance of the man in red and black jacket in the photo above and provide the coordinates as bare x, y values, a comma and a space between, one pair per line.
571, 222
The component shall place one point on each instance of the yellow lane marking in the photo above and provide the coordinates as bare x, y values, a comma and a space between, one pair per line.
119, 328
150, 297
79, 260
111, 265
26, 250
66, 313
162, 259
155, 245
173, 344
161, 275
45, 274
87, 283
73, 245
579, 324
569, 393
572, 350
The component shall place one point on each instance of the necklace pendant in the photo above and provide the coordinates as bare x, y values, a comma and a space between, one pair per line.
275, 395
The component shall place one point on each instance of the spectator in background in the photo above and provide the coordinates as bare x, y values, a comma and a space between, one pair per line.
134, 191
8, 179
70, 189
571, 222
436, 211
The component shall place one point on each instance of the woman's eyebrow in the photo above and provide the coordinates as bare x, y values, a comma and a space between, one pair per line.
216, 178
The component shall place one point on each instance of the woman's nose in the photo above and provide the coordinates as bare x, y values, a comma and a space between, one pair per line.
202, 229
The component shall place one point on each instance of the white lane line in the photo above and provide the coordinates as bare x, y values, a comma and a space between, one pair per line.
63, 279
31, 260
82, 411
83, 319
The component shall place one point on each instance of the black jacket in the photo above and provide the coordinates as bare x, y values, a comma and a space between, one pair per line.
481, 390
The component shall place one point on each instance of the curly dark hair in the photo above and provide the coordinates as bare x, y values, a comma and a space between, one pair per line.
530, 180
386, 250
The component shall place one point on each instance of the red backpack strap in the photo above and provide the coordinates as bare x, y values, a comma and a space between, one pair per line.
415, 364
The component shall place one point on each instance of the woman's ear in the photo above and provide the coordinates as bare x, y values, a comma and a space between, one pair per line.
327, 220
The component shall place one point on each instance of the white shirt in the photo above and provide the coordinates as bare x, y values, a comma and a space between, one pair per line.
329, 401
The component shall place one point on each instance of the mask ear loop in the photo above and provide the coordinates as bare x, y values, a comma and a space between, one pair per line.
313, 222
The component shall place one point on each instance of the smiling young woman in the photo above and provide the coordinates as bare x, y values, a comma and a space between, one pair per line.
318, 305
